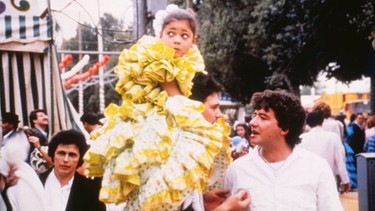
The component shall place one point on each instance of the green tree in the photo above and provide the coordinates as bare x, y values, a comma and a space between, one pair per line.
114, 39
251, 45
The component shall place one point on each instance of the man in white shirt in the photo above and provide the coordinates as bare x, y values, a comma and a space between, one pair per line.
328, 145
329, 123
278, 174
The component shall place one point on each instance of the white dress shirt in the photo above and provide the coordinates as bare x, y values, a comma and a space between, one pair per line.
303, 182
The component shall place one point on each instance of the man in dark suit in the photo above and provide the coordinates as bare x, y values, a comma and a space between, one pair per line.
66, 189
39, 126
357, 138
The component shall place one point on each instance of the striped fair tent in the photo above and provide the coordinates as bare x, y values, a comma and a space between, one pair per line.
29, 73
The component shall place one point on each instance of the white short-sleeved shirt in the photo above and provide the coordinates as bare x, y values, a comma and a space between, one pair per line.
303, 182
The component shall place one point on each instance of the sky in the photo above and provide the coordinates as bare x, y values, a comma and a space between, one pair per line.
68, 12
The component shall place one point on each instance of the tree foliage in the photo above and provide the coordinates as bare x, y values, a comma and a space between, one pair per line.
111, 31
250, 45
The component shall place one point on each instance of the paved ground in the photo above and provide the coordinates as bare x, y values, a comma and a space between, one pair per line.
350, 201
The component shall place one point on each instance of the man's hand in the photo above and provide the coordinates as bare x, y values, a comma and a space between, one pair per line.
214, 198
238, 202
344, 188
12, 178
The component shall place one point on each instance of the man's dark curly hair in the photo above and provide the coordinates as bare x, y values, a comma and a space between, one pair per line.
204, 86
288, 111
66, 137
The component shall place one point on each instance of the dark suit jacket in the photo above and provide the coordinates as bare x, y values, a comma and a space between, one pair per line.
84, 195
357, 140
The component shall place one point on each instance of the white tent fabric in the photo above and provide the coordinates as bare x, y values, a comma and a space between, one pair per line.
23, 23
29, 73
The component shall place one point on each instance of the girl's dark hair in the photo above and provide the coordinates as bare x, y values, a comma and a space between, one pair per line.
288, 111
182, 14
66, 137
246, 128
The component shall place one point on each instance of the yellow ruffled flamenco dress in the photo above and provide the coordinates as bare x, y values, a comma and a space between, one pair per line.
155, 150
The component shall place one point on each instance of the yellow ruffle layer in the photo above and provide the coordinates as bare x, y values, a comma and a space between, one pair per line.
154, 150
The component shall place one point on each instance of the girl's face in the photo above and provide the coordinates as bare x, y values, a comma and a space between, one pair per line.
240, 131
179, 36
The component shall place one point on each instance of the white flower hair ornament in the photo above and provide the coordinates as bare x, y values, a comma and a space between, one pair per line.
160, 16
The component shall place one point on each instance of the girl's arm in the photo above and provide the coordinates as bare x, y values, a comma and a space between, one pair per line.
171, 88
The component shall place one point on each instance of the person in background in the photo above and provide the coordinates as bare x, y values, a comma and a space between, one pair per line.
357, 135
10, 133
277, 173
39, 121
38, 138
370, 135
65, 188
328, 146
349, 153
9, 127
244, 132
101, 118
27, 192
370, 127
90, 121
239, 147
329, 123
342, 118
206, 90
335, 126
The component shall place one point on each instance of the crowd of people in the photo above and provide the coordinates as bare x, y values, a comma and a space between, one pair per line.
169, 147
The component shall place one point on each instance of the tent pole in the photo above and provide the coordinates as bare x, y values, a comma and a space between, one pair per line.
50, 53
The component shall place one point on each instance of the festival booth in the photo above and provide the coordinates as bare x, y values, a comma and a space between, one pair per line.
29, 72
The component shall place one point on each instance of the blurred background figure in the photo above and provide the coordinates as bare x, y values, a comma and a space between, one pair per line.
10, 128
239, 147
328, 146
243, 131
39, 124
27, 192
90, 121
370, 134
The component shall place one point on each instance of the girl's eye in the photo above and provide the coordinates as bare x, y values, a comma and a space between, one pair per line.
185, 36
170, 34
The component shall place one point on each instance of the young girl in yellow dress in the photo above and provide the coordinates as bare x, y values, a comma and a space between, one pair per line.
156, 149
